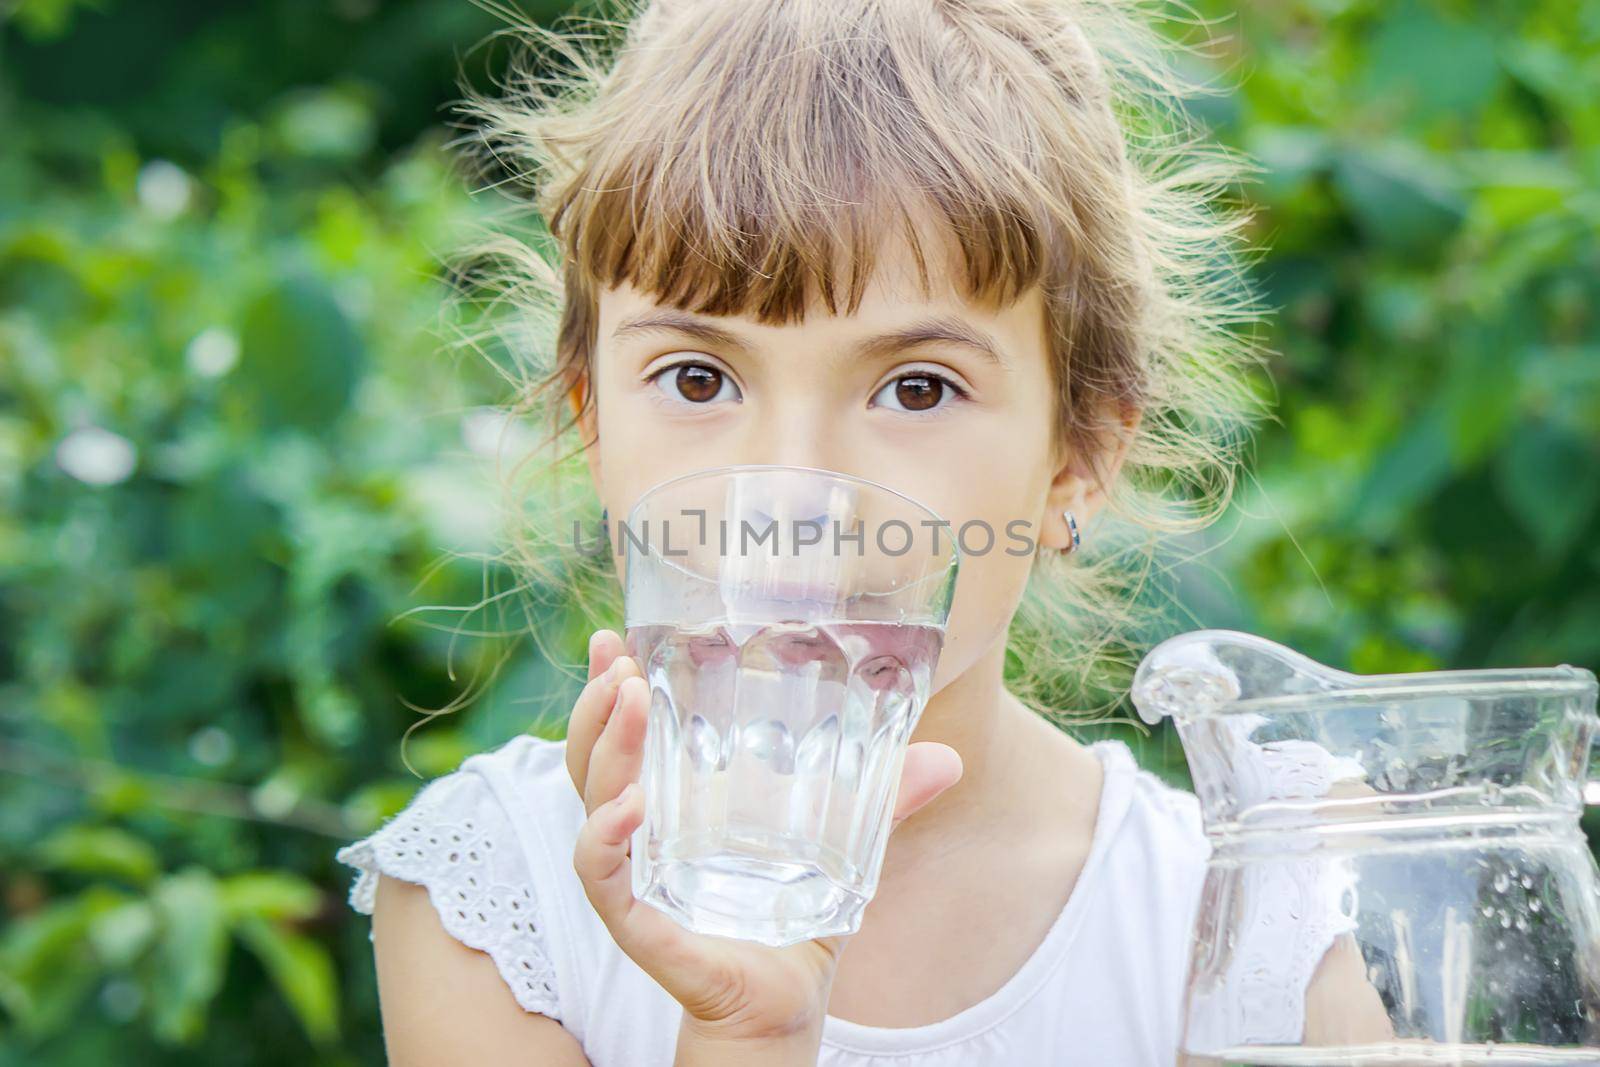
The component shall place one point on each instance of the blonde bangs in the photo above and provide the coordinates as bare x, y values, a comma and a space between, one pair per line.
791, 147
770, 259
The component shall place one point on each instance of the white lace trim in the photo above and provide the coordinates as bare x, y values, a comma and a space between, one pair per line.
456, 841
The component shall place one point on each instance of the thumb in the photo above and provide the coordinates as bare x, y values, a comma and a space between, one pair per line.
930, 768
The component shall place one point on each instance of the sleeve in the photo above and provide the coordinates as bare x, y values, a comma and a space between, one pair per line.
1288, 914
457, 841
1282, 910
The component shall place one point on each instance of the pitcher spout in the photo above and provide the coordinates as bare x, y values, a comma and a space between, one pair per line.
1202, 672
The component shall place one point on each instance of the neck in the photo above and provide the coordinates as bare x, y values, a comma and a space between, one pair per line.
1007, 752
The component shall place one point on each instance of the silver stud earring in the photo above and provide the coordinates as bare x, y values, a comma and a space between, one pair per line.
1072, 526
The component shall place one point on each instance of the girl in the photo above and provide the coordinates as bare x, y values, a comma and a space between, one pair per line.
958, 247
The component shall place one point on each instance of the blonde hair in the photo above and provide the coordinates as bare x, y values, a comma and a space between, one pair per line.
730, 158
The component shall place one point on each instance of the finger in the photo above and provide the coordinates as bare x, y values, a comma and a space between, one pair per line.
930, 768
602, 860
601, 854
619, 752
604, 647
594, 703
589, 715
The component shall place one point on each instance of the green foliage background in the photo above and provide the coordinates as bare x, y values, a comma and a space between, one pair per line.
234, 460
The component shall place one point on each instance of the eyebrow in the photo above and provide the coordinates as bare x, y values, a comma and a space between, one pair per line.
932, 330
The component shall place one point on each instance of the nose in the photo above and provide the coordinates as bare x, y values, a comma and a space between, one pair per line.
802, 506
801, 511
793, 434
787, 498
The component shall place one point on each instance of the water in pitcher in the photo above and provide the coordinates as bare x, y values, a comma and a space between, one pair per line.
775, 751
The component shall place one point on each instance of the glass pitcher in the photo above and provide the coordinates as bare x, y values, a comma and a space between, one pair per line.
1397, 874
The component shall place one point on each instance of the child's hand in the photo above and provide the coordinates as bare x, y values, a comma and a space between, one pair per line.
731, 990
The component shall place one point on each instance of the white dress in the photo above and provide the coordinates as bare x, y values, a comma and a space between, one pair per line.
493, 842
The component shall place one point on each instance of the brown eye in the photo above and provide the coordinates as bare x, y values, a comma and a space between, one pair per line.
699, 384
919, 392
695, 383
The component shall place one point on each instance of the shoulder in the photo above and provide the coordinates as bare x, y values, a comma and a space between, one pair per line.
525, 767
1148, 887
485, 841
1159, 805
1159, 845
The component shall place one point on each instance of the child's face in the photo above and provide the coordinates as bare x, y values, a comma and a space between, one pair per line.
970, 435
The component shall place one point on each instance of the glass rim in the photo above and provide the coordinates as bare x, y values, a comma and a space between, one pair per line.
954, 555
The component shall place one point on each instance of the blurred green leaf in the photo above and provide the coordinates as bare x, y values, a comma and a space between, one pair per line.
122, 934
1409, 469
46, 19
274, 895
299, 356
100, 850
46, 962
1402, 201
329, 124
1433, 64
190, 953
303, 973
370, 806
1535, 477
1545, 69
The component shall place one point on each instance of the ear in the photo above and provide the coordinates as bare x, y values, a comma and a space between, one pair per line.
1081, 482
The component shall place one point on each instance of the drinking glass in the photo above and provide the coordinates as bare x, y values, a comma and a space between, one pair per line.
788, 621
